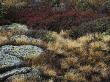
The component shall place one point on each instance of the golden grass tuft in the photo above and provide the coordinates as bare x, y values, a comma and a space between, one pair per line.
3, 40
71, 76
48, 70
85, 59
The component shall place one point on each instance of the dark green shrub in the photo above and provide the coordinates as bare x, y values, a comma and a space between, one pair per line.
55, 3
93, 5
2, 11
83, 5
99, 25
76, 33
107, 5
48, 37
107, 32
102, 24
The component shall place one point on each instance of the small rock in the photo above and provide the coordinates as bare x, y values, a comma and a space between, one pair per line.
21, 39
15, 26
8, 60
21, 51
12, 63
11, 55
32, 76
14, 72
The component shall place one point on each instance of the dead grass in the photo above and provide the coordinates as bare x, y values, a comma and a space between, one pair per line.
85, 59
3, 40
82, 55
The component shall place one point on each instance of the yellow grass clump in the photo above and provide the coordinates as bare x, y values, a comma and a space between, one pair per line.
85, 59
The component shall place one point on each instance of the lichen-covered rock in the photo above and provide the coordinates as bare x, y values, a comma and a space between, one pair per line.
21, 39
8, 60
14, 72
15, 26
12, 60
26, 40
32, 76
12, 55
22, 51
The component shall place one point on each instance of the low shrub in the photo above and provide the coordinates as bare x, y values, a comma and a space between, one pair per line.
2, 11
107, 32
47, 19
101, 6
82, 5
48, 37
105, 7
99, 25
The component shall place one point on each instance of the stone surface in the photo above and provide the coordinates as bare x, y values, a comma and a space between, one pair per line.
21, 51
16, 58
14, 72
32, 76
8, 60
12, 60
14, 26
21, 39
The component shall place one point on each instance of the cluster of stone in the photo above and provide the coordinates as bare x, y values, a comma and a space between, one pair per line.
11, 59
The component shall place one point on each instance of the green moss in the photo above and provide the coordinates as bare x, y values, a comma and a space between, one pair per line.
48, 37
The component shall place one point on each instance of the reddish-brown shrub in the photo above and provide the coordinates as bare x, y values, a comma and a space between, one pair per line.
45, 17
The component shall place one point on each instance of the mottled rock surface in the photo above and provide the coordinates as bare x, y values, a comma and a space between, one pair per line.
14, 26
32, 76
16, 71
21, 39
12, 59
21, 51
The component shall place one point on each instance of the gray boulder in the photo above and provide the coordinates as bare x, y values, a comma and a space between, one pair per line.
22, 51
32, 76
21, 39
8, 60
15, 26
22, 70
12, 59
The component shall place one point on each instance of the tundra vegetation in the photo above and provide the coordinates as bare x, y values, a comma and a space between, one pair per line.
55, 41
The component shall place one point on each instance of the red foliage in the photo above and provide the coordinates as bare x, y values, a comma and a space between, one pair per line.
45, 17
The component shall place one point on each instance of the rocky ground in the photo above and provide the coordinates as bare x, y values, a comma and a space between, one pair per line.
13, 56
44, 56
